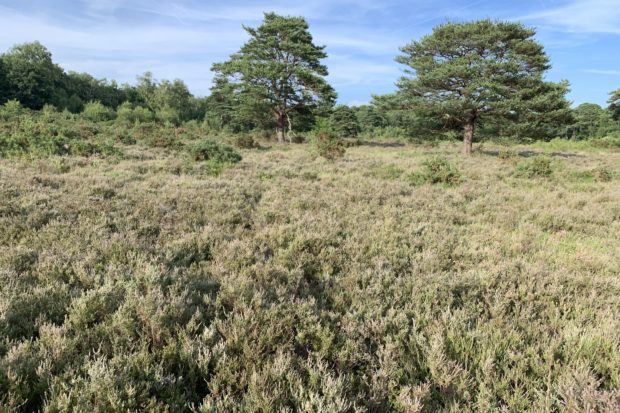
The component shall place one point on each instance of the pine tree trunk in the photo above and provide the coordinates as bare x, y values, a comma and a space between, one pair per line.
280, 127
468, 135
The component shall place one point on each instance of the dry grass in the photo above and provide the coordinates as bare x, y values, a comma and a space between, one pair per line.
293, 284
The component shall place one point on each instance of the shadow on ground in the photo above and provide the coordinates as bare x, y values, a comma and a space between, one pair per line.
376, 144
528, 154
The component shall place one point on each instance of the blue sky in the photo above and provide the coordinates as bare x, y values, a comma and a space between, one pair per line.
119, 39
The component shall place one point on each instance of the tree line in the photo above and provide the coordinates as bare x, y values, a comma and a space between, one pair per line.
472, 81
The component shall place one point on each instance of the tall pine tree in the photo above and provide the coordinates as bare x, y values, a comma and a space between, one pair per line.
465, 72
280, 68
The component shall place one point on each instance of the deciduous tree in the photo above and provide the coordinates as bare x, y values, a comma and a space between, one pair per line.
31, 74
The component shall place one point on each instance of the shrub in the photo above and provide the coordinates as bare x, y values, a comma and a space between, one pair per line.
11, 109
209, 150
536, 167
607, 142
97, 112
436, 170
169, 116
295, 138
602, 174
155, 136
327, 146
507, 155
48, 112
245, 142
351, 142
125, 112
344, 123
142, 114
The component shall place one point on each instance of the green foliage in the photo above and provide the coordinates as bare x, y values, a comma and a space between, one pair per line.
343, 122
614, 105
369, 117
590, 121
245, 141
402, 119
327, 145
125, 112
97, 112
292, 285
386, 172
436, 170
31, 75
279, 69
210, 150
464, 73
11, 110
602, 174
82, 87
142, 114
4, 83
535, 167
612, 141
168, 115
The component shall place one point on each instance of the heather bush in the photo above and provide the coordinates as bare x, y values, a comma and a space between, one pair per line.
609, 142
152, 284
436, 170
535, 167
245, 142
326, 145
209, 150
602, 174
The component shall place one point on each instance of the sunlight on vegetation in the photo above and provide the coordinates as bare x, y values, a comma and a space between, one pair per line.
262, 249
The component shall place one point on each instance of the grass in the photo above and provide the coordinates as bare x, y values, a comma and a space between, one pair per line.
288, 283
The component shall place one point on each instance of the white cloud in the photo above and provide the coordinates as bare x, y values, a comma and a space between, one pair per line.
607, 72
173, 40
582, 16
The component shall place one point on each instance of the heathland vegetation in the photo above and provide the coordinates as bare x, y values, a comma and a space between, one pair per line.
263, 249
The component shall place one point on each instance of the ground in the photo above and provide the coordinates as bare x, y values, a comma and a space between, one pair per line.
289, 283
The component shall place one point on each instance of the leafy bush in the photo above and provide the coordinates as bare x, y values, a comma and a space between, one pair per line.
209, 150
168, 115
97, 112
156, 136
11, 109
327, 146
436, 170
612, 141
142, 114
535, 167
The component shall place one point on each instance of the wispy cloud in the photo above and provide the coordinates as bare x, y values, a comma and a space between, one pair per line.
120, 39
180, 41
606, 72
581, 16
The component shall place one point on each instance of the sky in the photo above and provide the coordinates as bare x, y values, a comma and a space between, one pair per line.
120, 39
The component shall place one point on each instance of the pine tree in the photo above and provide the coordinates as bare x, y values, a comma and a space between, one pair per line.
279, 67
614, 104
465, 72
